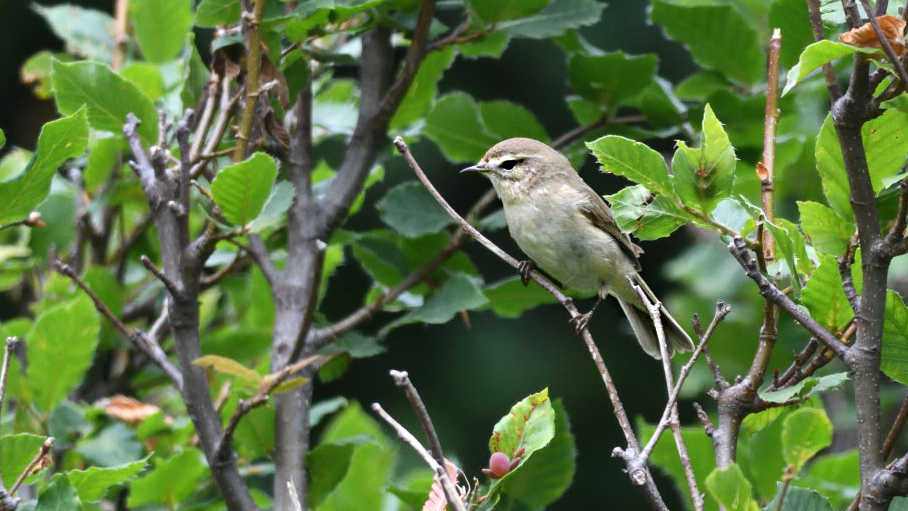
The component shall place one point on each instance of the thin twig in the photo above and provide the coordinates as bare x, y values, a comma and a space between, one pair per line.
766, 168
408, 438
845, 263
171, 286
121, 38
816, 23
139, 339
253, 22
7, 501
774, 294
32, 220
40, 458
402, 380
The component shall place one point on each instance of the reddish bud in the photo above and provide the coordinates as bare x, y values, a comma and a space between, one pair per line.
499, 464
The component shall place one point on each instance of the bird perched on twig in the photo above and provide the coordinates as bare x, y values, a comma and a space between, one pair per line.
569, 232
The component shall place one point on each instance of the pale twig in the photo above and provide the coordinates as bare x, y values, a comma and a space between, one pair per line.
654, 307
40, 457
408, 438
7, 501
139, 339
402, 380
252, 24
766, 168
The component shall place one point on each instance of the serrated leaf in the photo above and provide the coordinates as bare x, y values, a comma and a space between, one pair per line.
161, 27
805, 432
553, 20
817, 54
424, 89
649, 218
610, 80
704, 177
210, 13
412, 211
59, 495
824, 298
61, 346
107, 96
827, 231
92, 483
717, 36
171, 481
731, 489
894, 361
228, 366
87, 32
798, 499
805, 388
18, 450
509, 298
59, 141
455, 125
508, 120
530, 424
633, 160
241, 189
273, 211
547, 474
459, 293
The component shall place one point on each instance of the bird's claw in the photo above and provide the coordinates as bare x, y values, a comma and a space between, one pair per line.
581, 321
524, 268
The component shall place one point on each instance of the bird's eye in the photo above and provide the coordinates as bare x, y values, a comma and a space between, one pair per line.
508, 164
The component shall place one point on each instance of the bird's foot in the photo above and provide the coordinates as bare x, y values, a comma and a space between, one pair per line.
524, 268
581, 321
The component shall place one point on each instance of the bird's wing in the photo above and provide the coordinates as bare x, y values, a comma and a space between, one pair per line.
598, 213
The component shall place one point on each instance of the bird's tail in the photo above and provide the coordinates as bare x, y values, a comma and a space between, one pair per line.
642, 324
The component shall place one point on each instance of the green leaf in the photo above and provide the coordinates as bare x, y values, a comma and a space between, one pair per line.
633, 160
731, 489
422, 92
254, 436
171, 481
161, 27
18, 451
87, 32
553, 20
799, 499
211, 13
792, 18
885, 142
543, 478
108, 97
369, 472
412, 211
59, 141
147, 77
717, 36
455, 125
275, 207
102, 158
61, 346
241, 189
898, 504
228, 366
381, 258
328, 463
612, 79
493, 11
37, 72
649, 218
894, 360
91, 484
805, 388
459, 293
824, 298
530, 424
837, 476
817, 54
509, 298
58, 496
116, 444
508, 120
827, 231
704, 177
805, 432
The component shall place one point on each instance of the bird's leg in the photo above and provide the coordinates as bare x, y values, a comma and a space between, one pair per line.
582, 321
525, 268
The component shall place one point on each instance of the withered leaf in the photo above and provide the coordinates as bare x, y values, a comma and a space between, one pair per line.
865, 37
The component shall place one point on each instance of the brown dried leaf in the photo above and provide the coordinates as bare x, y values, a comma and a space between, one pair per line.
865, 37
128, 409
437, 500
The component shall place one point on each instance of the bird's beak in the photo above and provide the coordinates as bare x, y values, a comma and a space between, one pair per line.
479, 167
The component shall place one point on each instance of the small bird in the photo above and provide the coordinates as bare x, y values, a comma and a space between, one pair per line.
569, 231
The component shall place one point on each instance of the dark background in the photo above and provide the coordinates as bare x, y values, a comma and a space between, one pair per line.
470, 377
